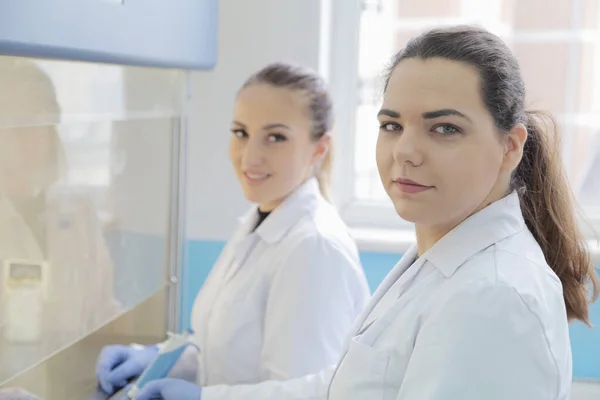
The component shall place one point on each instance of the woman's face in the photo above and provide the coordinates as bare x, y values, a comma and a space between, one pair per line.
27, 159
271, 147
439, 154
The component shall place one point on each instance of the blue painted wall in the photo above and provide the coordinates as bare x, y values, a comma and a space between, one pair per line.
201, 255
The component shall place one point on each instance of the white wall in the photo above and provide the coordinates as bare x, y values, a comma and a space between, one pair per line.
251, 34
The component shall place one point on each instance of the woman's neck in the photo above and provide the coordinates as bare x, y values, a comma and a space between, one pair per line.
427, 237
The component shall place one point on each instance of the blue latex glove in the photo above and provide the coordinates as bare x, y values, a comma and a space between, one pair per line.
118, 364
169, 389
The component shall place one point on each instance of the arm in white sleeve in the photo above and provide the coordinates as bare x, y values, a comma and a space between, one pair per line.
310, 387
483, 343
313, 301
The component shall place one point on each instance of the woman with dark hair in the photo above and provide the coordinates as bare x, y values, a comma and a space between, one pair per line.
479, 307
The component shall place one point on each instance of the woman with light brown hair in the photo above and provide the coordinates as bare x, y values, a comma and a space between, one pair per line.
288, 284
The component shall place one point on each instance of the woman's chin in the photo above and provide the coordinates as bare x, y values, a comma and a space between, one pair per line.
409, 213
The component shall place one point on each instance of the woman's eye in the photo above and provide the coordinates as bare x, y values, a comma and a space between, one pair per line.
240, 133
276, 137
390, 126
446, 130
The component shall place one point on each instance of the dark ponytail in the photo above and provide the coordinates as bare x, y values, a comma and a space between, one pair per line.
548, 207
546, 200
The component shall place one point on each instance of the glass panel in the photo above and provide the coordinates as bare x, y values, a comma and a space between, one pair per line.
85, 192
69, 374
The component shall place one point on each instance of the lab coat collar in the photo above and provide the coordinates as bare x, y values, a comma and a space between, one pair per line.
301, 201
497, 221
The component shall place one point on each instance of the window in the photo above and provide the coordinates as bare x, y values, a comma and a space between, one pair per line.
558, 48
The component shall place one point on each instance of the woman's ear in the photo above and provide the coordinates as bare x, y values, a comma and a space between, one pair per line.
514, 144
322, 148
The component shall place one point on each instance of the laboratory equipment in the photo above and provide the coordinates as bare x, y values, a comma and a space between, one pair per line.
169, 353
25, 284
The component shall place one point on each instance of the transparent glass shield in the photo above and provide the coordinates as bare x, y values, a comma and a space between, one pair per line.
86, 167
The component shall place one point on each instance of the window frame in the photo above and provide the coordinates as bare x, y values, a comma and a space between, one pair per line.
344, 52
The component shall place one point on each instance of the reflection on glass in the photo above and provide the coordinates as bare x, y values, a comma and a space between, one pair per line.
45, 222
23, 273
84, 213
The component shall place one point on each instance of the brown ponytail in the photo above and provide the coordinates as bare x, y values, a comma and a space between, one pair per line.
548, 207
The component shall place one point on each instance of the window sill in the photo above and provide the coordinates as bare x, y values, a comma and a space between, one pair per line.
397, 241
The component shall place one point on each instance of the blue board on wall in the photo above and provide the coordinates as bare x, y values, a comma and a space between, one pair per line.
157, 33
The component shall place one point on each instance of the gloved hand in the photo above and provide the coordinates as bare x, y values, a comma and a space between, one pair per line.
118, 364
170, 389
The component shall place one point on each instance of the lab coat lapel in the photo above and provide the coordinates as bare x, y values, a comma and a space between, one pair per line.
399, 272
304, 199
227, 258
497, 221
241, 244
275, 227
241, 253
211, 289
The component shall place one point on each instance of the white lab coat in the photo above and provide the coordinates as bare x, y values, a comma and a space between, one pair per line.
279, 301
479, 316
79, 297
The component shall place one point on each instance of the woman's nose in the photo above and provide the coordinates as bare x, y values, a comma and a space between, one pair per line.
408, 147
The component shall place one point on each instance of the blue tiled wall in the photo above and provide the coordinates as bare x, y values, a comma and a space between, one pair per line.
201, 255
